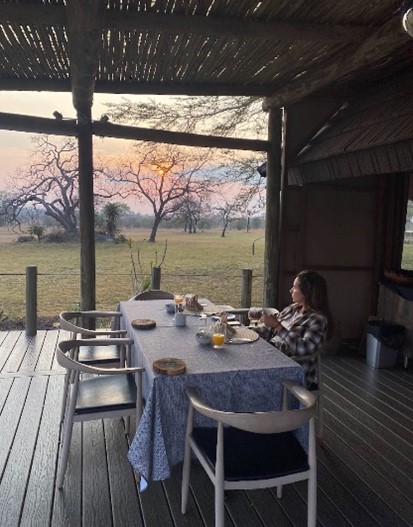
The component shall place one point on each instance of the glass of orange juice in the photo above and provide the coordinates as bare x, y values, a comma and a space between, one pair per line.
218, 340
179, 298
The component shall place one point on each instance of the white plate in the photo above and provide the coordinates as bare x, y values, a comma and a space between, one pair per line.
230, 316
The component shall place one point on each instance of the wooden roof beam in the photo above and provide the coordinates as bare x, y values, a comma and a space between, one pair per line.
68, 127
195, 24
380, 45
177, 138
139, 88
84, 30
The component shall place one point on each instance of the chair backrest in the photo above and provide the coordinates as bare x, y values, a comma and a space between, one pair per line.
64, 356
262, 422
70, 320
154, 294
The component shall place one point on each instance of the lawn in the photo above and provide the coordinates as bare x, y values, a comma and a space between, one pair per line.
202, 263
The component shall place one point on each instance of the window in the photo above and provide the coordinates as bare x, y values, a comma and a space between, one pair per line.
407, 256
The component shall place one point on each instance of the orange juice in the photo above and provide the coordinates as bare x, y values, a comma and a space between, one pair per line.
218, 339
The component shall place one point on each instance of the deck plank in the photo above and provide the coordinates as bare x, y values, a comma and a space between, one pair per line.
364, 467
96, 495
9, 347
125, 505
38, 501
10, 417
268, 508
346, 472
67, 503
17, 471
361, 398
24, 345
345, 503
33, 351
172, 488
155, 507
46, 358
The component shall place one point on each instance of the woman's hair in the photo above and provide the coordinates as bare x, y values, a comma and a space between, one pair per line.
314, 288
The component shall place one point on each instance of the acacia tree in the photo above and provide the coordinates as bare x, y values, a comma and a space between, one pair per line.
235, 203
163, 175
51, 183
202, 114
192, 209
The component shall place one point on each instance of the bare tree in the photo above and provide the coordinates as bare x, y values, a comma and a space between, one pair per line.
192, 209
51, 183
203, 114
163, 176
243, 199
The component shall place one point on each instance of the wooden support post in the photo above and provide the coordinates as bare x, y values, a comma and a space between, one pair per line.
31, 300
272, 217
155, 278
246, 292
86, 212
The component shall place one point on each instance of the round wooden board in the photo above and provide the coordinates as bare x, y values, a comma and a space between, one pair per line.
143, 323
169, 366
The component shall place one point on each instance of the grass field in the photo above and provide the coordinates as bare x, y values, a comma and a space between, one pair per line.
202, 263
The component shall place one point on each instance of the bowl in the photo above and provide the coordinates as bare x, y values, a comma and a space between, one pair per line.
203, 338
170, 308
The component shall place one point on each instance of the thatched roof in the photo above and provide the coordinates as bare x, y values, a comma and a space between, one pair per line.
278, 49
372, 134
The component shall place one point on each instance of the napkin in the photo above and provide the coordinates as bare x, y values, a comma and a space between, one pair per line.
222, 326
192, 304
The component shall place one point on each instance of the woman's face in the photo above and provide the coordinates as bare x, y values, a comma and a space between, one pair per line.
296, 293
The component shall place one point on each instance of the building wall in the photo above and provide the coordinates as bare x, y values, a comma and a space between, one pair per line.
337, 230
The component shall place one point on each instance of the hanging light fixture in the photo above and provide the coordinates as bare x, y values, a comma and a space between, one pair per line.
407, 20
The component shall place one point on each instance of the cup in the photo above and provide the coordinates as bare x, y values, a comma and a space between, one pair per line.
180, 319
218, 340
254, 315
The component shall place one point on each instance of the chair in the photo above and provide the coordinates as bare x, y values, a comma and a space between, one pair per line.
105, 393
93, 354
153, 294
256, 450
316, 388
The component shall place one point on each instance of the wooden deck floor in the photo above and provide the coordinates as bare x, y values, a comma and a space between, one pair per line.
365, 468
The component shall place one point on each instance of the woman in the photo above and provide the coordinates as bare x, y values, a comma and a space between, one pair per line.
303, 326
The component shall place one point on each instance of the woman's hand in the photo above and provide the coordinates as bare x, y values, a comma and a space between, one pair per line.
271, 321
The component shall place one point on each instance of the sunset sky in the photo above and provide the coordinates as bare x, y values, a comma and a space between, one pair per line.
15, 147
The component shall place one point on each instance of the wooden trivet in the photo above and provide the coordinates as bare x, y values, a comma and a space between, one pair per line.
169, 366
143, 323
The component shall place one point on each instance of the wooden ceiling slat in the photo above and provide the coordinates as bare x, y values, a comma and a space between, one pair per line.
382, 43
207, 46
21, 56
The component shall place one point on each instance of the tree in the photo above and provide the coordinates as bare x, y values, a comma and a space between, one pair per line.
232, 208
203, 114
51, 183
111, 214
36, 230
163, 176
191, 210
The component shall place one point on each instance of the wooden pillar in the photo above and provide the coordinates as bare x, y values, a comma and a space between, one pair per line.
155, 278
31, 300
272, 215
86, 211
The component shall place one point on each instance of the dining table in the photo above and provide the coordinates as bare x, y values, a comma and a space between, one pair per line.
245, 376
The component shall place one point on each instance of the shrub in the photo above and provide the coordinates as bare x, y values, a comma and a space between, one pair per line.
24, 239
59, 237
